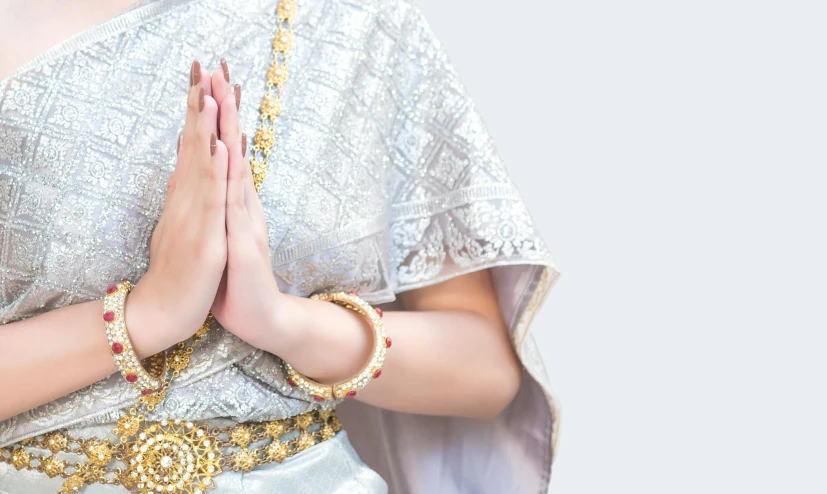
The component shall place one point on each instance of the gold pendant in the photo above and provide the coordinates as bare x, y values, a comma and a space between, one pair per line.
172, 456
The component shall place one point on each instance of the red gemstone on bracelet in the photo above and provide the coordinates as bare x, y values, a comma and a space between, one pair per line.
147, 392
388, 342
377, 373
291, 382
111, 289
109, 316
351, 293
131, 378
351, 394
117, 347
379, 311
317, 398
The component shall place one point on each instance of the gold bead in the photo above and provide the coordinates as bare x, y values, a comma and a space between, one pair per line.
241, 435
20, 459
244, 460
179, 359
277, 74
256, 167
52, 466
99, 452
283, 41
270, 107
73, 484
277, 451
305, 441
286, 10
303, 421
264, 139
55, 441
127, 425
275, 429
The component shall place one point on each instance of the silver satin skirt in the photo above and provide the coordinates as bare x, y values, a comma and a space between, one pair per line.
330, 467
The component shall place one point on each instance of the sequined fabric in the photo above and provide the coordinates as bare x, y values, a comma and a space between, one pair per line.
383, 179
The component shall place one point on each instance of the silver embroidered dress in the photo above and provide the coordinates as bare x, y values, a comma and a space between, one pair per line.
383, 179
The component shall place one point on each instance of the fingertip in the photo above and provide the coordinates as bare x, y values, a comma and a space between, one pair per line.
217, 77
220, 86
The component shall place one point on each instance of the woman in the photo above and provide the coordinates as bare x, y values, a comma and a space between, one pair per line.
367, 171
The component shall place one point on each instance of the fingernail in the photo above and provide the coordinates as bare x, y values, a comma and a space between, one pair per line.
195, 73
237, 91
200, 99
243, 145
226, 69
212, 143
180, 135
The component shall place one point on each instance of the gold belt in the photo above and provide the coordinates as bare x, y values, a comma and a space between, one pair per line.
172, 455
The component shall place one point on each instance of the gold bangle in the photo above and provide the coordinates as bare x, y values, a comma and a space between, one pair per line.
147, 382
381, 342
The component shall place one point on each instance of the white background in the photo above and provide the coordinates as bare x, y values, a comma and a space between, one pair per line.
673, 155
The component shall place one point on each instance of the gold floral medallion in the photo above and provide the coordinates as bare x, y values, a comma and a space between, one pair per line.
173, 456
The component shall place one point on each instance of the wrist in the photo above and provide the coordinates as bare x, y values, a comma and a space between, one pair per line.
286, 326
151, 328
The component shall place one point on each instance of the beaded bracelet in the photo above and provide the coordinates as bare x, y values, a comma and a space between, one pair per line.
145, 381
381, 342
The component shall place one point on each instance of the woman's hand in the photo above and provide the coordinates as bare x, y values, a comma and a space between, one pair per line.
248, 303
188, 251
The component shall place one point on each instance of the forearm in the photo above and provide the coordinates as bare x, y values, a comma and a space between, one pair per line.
53, 354
442, 362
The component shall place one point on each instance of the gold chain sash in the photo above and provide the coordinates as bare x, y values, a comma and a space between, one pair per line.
171, 455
